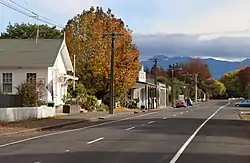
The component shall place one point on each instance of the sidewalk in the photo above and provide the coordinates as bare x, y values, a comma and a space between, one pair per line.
56, 122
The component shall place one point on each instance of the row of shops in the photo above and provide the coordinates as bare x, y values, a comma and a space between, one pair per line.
147, 93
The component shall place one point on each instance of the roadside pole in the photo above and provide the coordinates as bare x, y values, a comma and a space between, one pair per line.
112, 70
196, 87
173, 68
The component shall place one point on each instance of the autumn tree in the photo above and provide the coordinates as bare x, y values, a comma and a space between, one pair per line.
85, 39
232, 83
29, 31
196, 66
218, 89
244, 76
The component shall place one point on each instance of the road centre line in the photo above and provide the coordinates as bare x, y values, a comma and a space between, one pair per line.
96, 140
181, 150
73, 130
151, 122
130, 128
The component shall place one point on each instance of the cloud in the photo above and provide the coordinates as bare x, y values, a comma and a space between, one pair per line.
219, 16
228, 48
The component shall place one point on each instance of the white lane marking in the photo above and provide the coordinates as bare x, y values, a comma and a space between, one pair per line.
67, 150
72, 130
184, 146
130, 128
151, 122
143, 125
174, 115
96, 140
181, 113
187, 111
164, 117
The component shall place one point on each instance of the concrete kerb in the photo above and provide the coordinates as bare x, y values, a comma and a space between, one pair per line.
63, 124
240, 113
44, 128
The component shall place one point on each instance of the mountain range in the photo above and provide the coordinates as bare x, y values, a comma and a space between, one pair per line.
216, 67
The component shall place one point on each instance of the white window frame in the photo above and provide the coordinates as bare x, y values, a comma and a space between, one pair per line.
7, 79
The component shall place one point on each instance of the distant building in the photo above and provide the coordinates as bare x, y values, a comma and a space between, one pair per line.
143, 91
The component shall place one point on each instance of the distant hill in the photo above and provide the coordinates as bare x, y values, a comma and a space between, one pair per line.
216, 67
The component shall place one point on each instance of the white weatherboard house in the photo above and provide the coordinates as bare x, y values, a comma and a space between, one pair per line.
47, 60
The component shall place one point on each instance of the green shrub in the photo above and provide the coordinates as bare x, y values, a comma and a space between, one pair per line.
102, 107
87, 102
28, 93
67, 99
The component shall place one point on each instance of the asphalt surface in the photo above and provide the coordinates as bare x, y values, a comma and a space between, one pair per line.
157, 137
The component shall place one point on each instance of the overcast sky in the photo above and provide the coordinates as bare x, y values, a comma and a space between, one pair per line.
152, 20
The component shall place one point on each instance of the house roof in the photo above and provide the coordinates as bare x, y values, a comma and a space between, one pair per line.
28, 53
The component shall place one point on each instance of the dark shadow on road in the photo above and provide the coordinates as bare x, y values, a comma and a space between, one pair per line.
122, 157
177, 126
186, 126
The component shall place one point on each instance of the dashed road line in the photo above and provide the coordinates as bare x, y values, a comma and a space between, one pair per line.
164, 117
174, 115
130, 128
151, 122
96, 140
181, 113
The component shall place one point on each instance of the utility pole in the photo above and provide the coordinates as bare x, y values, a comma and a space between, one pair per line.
173, 68
196, 88
37, 34
155, 78
172, 90
74, 82
79, 51
155, 60
112, 71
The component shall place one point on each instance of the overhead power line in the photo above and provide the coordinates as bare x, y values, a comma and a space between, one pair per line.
44, 18
31, 13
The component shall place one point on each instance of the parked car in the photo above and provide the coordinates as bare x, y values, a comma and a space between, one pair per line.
180, 103
244, 103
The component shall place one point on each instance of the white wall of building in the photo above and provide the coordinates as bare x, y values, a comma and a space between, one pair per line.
19, 75
54, 72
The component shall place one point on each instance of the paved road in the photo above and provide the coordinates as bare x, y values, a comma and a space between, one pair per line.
149, 138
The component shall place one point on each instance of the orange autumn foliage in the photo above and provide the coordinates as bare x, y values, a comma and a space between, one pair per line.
244, 77
85, 39
196, 66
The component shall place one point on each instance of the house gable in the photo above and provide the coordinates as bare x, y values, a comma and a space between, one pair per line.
63, 55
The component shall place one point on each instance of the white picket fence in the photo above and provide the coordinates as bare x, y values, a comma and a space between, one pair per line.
22, 113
